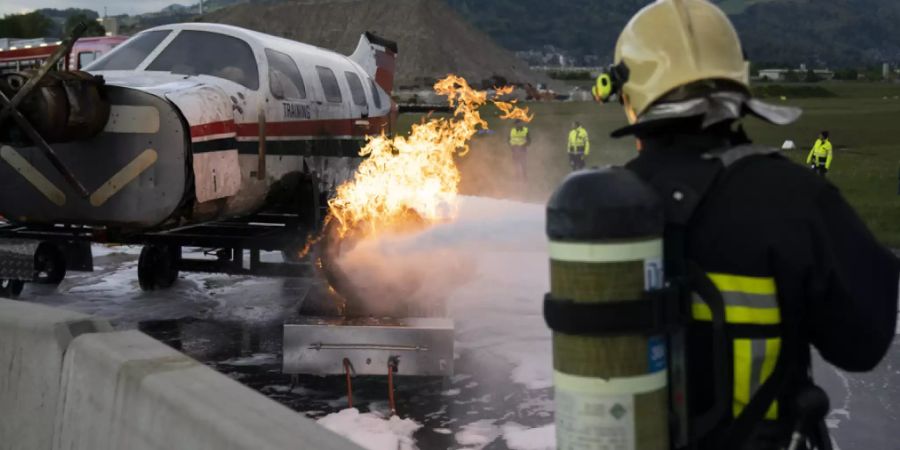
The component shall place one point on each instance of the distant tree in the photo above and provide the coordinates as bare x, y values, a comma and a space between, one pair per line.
872, 73
25, 26
792, 76
93, 27
846, 75
812, 77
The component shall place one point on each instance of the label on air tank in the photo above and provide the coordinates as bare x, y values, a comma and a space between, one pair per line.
598, 414
591, 422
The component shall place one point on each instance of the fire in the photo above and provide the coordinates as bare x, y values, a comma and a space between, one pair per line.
509, 109
416, 173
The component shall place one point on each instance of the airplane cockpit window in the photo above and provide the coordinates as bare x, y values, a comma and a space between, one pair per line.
204, 53
356, 88
376, 94
329, 84
132, 53
285, 80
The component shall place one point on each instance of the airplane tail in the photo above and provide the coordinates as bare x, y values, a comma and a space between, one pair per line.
378, 56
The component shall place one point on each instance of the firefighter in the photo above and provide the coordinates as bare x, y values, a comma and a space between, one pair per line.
778, 248
579, 146
519, 139
819, 158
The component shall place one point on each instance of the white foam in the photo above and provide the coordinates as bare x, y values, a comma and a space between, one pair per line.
98, 250
518, 437
372, 431
477, 435
256, 359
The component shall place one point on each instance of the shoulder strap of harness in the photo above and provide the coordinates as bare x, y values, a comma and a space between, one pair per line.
742, 426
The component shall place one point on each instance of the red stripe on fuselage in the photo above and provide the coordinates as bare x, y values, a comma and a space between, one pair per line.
212, 128
299, 128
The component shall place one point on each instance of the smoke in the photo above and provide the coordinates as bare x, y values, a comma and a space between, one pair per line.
414, 273
489, 268
490, 171
392, 276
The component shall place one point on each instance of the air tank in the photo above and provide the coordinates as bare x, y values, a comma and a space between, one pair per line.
605, 230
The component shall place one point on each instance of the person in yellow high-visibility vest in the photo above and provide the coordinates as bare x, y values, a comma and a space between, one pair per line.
519, 138
819, 157
579, 146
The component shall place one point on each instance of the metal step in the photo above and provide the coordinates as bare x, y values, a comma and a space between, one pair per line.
319, 345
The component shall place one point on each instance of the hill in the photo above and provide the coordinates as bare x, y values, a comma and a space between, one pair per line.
732, 7
433, 39
579, 27
833, 32
40, 23
838, 33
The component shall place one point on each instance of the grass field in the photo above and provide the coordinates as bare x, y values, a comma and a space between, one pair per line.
862, 124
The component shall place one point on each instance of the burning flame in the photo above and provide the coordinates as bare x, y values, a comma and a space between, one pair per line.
416, 173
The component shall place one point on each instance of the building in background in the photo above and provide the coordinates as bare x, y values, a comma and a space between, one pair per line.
801, 74
110, 24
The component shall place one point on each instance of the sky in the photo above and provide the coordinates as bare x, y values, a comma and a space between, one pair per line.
113, 7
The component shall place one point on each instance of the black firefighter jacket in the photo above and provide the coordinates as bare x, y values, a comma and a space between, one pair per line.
772, 234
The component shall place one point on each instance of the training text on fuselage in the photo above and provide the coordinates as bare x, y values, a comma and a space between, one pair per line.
296, 111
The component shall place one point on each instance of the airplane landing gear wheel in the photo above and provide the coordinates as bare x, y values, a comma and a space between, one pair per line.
49, 264
158, 266
11, 288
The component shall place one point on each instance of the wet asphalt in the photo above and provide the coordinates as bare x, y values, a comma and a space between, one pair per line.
233, 324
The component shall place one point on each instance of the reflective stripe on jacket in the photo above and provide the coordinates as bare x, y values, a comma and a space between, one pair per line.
822, 149
578, 138
518, 137
748, 301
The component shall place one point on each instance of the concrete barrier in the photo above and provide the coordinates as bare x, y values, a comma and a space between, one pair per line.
33, 341
126, 390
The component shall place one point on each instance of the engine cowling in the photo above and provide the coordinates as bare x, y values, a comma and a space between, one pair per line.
63, 107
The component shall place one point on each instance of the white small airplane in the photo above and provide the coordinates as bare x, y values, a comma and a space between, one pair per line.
206, 122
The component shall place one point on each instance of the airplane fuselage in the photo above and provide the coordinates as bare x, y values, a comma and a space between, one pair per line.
208, 121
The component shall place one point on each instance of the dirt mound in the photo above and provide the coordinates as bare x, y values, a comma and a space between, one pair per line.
433, 39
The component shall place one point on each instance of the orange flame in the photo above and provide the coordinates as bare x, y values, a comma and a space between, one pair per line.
416, 173
512, 112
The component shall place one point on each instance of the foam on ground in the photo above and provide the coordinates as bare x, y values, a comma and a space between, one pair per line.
518, 437
371, 430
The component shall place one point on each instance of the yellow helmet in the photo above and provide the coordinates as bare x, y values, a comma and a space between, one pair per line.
673, 43
682, 58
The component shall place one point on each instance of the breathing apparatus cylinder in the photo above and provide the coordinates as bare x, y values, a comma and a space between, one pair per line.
609, 349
